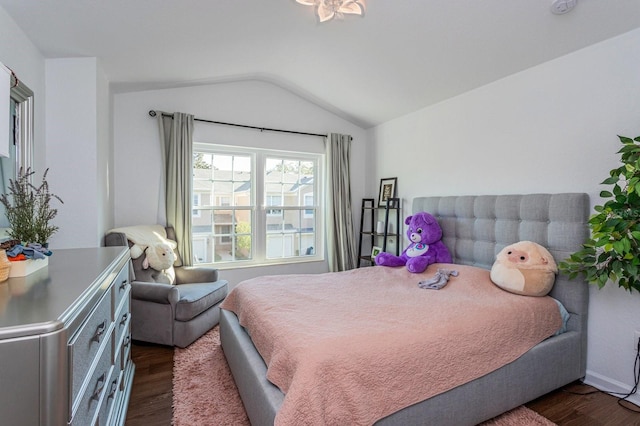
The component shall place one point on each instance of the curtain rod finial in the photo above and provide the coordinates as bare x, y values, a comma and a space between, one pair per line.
152, 113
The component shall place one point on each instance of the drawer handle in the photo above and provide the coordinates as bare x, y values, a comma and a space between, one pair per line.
100, 331
114, 388
125, 316
127, 341
123, 284
99, 387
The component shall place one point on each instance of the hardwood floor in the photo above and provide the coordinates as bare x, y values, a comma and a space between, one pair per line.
151, 398
581, 405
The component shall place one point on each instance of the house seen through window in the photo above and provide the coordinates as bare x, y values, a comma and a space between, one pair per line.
230, 226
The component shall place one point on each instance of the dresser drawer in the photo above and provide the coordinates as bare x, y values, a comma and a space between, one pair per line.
84, 346
119, 348
125, 354
109, 397
122, 320
121, 286
98, 384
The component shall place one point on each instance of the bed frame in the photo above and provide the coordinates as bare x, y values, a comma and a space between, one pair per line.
475, 229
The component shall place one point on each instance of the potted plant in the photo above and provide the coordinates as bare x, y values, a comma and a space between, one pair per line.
28, 209
612, 251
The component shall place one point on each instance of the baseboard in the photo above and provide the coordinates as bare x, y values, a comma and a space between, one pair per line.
607, 384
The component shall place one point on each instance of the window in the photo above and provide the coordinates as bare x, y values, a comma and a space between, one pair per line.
21, 106
231, 227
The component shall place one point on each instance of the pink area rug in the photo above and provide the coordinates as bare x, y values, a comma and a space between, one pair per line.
521, 416
204, 392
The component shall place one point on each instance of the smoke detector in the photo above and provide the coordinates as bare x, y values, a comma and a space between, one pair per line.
560, 7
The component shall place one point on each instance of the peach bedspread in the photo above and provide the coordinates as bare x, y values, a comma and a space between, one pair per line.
353, 347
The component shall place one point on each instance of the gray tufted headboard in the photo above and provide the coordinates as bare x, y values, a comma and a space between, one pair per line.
475, 228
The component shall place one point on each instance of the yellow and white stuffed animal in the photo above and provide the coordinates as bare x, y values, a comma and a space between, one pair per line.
524, 268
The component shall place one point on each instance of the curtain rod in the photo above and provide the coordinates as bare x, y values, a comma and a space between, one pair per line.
152, 113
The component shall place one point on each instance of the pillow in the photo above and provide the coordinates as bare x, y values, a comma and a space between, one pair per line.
524, 268
142, 236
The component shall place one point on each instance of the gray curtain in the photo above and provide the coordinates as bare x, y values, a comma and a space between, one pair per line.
341, 243
176, 138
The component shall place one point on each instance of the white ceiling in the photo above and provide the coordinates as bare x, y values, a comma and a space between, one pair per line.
402, 56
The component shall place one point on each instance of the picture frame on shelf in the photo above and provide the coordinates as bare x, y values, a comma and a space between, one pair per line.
387, 190
375, 250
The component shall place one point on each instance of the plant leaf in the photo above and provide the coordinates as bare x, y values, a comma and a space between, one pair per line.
625, 139
610, 180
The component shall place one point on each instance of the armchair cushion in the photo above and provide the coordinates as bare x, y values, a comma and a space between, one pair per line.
197, 298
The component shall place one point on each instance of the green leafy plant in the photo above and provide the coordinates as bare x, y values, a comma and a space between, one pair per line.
613, 250
28, 209
243, 240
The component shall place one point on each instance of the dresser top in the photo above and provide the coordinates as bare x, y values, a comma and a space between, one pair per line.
51, 297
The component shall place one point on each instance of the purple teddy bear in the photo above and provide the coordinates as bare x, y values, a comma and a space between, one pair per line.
426, 246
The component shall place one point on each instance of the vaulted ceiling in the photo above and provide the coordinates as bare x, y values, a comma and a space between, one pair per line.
401, 56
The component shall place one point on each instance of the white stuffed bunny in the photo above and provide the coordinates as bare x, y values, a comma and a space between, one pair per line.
159, 257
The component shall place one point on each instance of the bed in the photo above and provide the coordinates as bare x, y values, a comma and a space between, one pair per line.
475, 229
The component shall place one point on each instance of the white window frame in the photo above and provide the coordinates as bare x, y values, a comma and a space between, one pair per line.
259, 210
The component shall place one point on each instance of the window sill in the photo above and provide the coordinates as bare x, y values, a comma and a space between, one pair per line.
254, 264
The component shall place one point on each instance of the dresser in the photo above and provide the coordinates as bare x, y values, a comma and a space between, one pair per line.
65, 341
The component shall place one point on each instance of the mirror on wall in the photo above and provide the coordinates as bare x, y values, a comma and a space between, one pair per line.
20, 140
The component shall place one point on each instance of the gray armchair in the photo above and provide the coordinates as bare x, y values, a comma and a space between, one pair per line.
174, 314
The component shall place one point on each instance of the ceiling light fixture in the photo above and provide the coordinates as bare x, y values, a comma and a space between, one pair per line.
329, 9
560, 7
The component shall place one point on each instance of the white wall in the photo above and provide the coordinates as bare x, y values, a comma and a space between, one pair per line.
137, 173
551, 128
77, 149
72, 125
104, 166
18, 53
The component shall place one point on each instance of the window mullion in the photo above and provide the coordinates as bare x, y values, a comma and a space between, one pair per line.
260, 231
